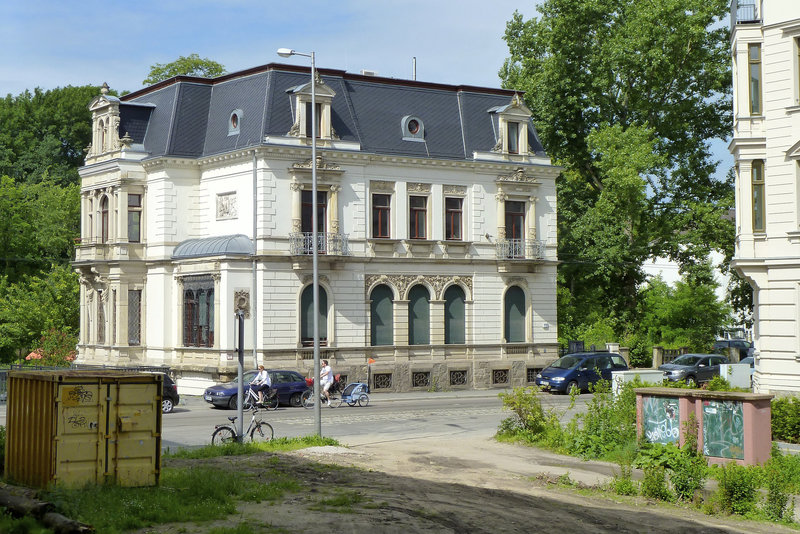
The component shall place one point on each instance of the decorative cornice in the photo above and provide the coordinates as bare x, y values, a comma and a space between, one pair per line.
381, 186
414, 187
460, 190
519, 176
321, 165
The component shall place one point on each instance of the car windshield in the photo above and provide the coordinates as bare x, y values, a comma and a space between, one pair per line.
248, 377
566, 362
687, 359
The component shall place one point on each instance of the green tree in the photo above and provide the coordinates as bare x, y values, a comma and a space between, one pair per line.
192, 65
626, 96
43, 133
35, 305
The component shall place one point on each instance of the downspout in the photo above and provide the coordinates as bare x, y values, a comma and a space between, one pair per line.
254, 297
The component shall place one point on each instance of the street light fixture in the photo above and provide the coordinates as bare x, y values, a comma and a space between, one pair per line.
288, 52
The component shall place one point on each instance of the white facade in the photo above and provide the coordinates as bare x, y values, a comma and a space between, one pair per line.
133, 293
765, 45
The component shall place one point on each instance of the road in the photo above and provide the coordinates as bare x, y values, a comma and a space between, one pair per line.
389, 417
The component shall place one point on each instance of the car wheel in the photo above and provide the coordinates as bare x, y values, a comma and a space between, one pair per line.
166, 405
691, 381
573, 385
296, 400
232, 402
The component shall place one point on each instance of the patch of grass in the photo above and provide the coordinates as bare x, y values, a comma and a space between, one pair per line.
238, 449
24, 525
341, 503
249, 528
184, 495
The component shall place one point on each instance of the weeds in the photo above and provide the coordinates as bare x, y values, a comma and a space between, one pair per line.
737, 489
239, 449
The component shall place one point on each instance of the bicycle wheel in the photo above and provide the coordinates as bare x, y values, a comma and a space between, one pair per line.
363, 399
336, 400
308, 399
271, 403
223, 435
262, 432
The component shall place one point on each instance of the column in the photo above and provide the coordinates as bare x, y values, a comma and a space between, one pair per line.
400, 312
297, 225
333, 209
501, 198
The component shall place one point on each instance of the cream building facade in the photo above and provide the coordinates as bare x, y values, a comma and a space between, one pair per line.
437, 230
765, 46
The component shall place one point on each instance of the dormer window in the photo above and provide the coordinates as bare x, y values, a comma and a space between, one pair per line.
302, 104
512, 122
412, 128
235, 122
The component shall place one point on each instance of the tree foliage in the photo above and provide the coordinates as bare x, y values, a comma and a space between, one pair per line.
626, 96
192, 65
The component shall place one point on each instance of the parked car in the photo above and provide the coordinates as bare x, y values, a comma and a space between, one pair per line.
290, 386
169, 394
579, 370
693, 368
728, 347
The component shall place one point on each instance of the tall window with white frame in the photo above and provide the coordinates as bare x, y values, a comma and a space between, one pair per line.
515, 228
453, 218
317, 117
307, 222
757, 178
754, 66
513, 137
104, 221
381, 211
418, 217
134, 218
134, 317
307, 317
198, 311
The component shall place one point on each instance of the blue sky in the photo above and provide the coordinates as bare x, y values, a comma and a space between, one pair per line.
48, 43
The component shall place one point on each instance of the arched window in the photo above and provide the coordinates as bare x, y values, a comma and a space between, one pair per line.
514, 313
307, 317
454, 322
381, 316
419, 316
104, 219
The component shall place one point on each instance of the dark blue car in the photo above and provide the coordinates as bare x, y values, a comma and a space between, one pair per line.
579, 370
290, 386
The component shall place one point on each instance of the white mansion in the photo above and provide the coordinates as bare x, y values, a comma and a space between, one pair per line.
436, 224
765, 45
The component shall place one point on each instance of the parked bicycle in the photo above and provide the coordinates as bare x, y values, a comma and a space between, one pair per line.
335, 392
258, 430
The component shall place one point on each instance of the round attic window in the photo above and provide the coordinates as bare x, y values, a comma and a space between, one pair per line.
413, 126
234, 121
413, 129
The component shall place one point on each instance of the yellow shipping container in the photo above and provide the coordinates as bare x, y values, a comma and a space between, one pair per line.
74, 428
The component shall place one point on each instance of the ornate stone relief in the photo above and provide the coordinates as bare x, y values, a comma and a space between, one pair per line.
414, 187
460, 190
241, 301
308, 279
517, 281
227, 206
381, 186
518, 177
321, 165
402, 282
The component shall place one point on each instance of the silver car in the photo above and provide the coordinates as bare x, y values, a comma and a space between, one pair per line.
693, 368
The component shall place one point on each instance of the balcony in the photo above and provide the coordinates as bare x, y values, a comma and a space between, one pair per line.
301, 244
520, 249
745, 11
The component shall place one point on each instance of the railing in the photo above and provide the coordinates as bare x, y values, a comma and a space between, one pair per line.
746, 11
520, 249
327, 243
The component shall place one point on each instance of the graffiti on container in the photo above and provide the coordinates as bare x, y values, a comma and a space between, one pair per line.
723, 429
661, 419
76, 421
80, 395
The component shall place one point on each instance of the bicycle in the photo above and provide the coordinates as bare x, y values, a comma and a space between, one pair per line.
251, 399
258, 430
335, 392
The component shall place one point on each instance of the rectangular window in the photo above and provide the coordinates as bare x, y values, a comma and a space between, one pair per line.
318, 117
757, 177
198, 311
307, 210
134, 218
418, 217
101, 319
515, 229
135, 317
513, 138
754, 64
381, 209
453, 218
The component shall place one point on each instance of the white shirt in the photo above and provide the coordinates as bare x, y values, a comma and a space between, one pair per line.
325, 375
262, 378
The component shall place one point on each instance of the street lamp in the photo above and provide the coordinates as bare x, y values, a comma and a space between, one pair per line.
288, 52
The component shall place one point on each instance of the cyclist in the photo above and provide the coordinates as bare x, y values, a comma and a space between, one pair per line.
261, 383
326, 380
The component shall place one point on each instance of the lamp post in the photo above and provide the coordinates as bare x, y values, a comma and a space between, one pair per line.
288, 52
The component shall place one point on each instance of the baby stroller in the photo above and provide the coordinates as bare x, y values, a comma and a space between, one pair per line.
356, 393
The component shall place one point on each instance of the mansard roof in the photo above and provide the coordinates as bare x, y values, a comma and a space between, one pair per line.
189, 117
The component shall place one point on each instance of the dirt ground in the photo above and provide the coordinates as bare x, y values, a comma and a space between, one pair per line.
453, 485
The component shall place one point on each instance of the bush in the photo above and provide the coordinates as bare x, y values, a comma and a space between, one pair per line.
529, 416
737, 488
786, 419
623, 484
654, 483
778, 473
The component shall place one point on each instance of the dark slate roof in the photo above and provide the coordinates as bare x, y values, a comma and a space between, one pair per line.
226, 245
189, 117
